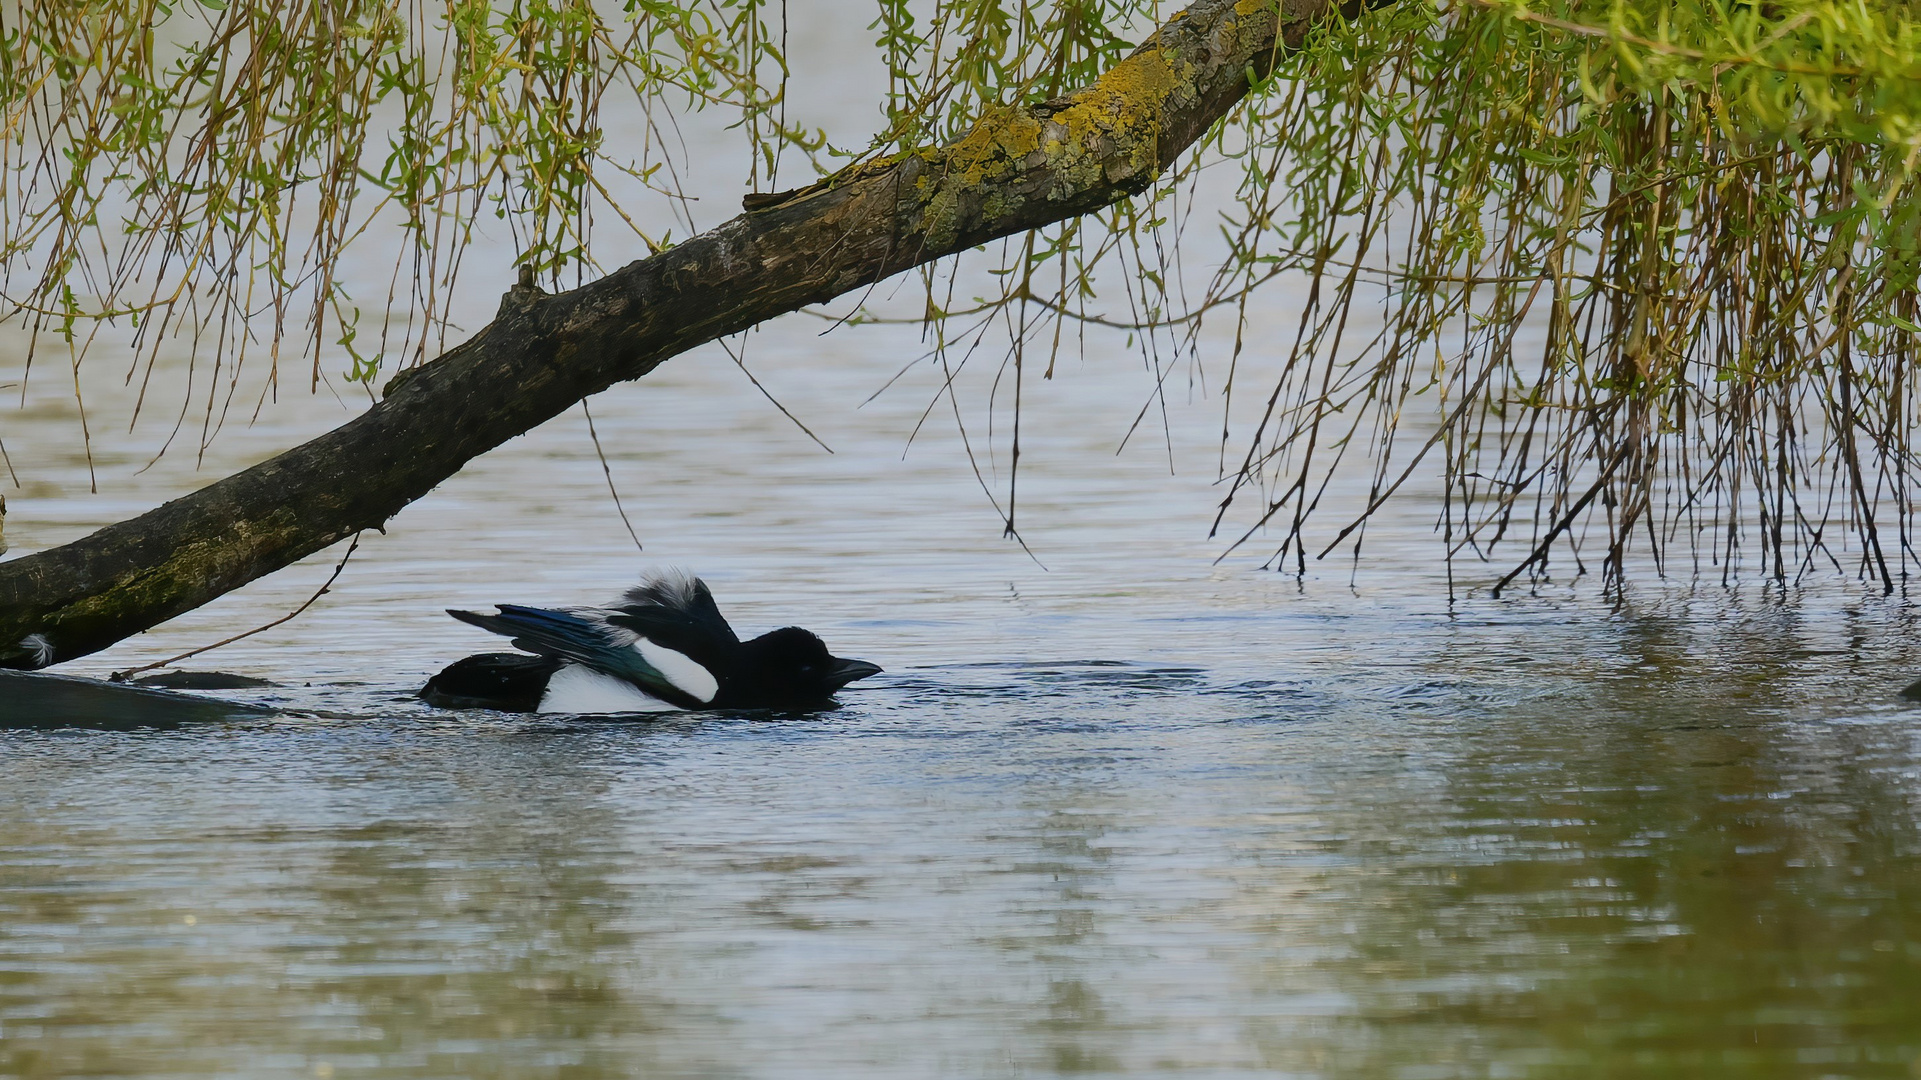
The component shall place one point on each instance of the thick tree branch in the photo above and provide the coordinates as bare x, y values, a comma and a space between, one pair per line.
1019, 168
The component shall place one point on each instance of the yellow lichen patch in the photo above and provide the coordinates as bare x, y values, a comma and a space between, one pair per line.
1108, 133
997, 148
1128, 102
1002, 139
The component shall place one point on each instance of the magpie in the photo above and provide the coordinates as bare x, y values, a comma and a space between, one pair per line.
662, 646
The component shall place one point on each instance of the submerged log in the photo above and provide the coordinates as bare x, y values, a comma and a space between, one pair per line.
1020, 167
43, 700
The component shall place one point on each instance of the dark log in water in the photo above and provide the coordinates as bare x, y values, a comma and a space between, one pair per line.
202, 680
1019, 168
43, 700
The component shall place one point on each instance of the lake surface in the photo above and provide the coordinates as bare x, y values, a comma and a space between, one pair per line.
1131, 814
1113, 810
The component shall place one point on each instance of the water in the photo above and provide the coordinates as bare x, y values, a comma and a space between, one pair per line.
1114, 809
1133, 814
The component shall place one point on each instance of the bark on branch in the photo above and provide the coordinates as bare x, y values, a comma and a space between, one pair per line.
1019, 168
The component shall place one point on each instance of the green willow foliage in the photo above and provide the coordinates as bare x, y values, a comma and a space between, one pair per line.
1652, 266
209, 162
1623, 272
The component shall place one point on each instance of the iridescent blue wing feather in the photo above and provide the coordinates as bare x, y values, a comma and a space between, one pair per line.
586, 638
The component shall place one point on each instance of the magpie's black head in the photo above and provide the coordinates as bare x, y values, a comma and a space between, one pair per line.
790, 668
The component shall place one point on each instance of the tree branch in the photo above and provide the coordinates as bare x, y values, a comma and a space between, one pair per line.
1019, 168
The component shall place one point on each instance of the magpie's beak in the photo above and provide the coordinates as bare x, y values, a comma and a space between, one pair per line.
846, 671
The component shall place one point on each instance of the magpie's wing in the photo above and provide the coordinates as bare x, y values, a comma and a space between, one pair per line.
586, 637
677, 611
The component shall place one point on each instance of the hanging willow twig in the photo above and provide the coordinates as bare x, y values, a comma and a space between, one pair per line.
1660, 251
1722, 205
1018, 169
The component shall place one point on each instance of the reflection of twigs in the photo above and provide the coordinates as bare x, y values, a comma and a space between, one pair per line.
123, 676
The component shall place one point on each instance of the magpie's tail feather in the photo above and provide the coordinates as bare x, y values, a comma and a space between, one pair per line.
485, 622
543, 631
